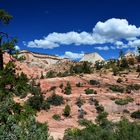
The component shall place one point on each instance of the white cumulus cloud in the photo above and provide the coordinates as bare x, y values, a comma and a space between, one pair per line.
105, 48
72, 55
110, 31
116, 28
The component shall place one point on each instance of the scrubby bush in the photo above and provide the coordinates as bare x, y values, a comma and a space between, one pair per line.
84, 122
133, 87
67, 89
105, 130
55, 100
99, 108
90, 91
124, 63
102, 118
115, 70
56, 117
124, 101
50, 74
99, 65
67, 111
81, 113
37, 102
94, 82
136, 114
119, 80
126, 111
116, 88
131, 61
45, 105
85, 67
79, 102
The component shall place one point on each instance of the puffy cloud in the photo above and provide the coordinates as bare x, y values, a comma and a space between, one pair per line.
135, 43
116, 28
17, 47
71, 55
105, 48
110, 31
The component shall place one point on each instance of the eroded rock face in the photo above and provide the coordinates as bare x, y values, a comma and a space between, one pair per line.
40, 60
92, 57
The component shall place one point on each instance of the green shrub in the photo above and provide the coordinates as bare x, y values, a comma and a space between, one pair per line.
45, 105
67, 111
116, 88
84, 122
124, 63
133, 87
94, 82
56, 117
50, 74
115, 70
126, 111
119, 80
96, 102
55, 100
79, 102
102, 118
124, 101
81, 113
84, 67
90, 91
99, 108
67, 89
136, 114
35, 102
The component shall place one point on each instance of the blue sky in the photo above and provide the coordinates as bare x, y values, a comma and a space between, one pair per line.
71, 28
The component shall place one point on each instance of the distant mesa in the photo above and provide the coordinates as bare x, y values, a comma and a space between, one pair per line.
92, 57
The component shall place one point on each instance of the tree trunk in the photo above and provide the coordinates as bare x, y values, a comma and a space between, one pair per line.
1, 55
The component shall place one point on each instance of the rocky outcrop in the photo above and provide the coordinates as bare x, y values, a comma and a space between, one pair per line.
40, 60
92, 57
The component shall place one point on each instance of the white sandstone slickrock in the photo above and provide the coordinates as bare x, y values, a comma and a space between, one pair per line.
92, 57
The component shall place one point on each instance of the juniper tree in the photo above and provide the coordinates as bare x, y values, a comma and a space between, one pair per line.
6, 42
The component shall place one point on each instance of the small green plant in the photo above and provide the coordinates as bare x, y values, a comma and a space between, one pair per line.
55, 100
90, 91
81, 113
116, 88
45, 105
136, 114
99, 108
94, 82
84, 122
67, 111
56, 117
79, 102
126, 111
67, 89
124, 101
115, 70
50, 74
